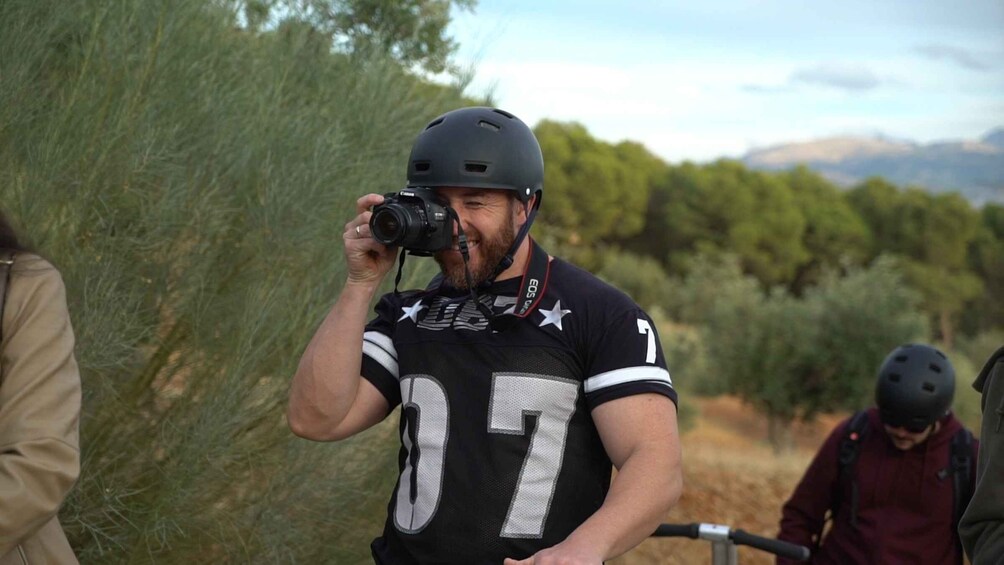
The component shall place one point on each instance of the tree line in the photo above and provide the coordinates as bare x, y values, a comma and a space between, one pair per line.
786, 229
793, 287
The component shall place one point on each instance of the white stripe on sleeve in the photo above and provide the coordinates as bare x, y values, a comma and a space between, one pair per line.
380, 348
627, 375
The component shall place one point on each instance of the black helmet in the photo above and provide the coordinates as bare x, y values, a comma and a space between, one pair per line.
478, 147
916, 384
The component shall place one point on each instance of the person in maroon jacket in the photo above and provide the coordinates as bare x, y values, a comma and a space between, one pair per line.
892, 500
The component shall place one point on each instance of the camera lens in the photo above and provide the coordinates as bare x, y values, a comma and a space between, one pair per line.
388, 225
398, 224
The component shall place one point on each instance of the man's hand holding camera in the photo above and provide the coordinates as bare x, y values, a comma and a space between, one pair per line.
368, 260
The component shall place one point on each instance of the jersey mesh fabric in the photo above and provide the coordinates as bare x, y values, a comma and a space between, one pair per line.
516, 463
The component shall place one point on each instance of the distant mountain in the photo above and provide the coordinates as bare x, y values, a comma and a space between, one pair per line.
995, 138
973, 168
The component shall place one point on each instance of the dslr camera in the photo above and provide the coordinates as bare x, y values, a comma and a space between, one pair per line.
413, 219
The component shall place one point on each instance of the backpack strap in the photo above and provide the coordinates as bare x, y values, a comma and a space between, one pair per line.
6, 262
962, 468
850, 448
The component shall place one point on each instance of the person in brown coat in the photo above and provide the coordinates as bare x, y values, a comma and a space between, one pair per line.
39, 407
982, 526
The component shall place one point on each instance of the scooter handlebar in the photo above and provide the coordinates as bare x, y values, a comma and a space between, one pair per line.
775, 546
736, 536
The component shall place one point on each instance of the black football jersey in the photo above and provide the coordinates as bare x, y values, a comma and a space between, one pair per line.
499, 455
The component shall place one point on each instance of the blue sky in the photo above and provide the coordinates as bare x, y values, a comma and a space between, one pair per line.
700, 80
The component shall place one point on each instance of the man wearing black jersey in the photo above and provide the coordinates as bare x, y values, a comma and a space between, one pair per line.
522, 379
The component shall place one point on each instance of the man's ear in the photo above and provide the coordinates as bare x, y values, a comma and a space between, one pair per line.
521, 210
525, 208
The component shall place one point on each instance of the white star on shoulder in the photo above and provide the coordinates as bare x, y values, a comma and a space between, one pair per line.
412, 311
554, 315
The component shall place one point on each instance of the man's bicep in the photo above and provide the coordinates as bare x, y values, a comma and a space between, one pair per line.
638, 422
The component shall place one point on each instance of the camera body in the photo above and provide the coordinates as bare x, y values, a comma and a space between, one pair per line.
413, 219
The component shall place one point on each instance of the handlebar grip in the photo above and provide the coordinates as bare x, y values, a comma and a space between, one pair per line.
677, 530
775, 546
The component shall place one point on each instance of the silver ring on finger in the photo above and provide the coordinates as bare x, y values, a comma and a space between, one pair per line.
358, 233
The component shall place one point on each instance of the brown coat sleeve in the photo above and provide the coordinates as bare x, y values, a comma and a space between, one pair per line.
982, 526
39, 402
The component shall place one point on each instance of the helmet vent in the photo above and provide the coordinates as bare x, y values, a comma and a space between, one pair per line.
935, 367
475, 168
929, 387
488, 125
504, 113
434, 123
422, 166
894, 377
901, 358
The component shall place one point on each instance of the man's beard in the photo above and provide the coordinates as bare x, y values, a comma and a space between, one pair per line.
491, 252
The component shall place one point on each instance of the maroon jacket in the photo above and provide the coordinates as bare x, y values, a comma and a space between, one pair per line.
904, 508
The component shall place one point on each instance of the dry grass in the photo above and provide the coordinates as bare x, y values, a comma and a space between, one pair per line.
732, 477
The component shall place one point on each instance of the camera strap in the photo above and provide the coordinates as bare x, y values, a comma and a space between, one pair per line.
535, 276
465, 253
400, 271
531, 288
532, 285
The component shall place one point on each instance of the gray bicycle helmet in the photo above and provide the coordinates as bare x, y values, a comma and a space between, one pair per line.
478, 147
915, 388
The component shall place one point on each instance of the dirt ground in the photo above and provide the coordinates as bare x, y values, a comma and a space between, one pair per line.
732, 477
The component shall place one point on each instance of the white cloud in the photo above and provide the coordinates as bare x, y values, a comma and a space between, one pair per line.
842, 76
955, 54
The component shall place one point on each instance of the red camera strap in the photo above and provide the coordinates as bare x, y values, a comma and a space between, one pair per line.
531, 288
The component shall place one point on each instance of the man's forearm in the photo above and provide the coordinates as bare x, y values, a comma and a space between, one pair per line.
327, 379
641, 494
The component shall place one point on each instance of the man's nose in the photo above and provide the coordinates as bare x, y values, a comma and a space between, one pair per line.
457, 224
